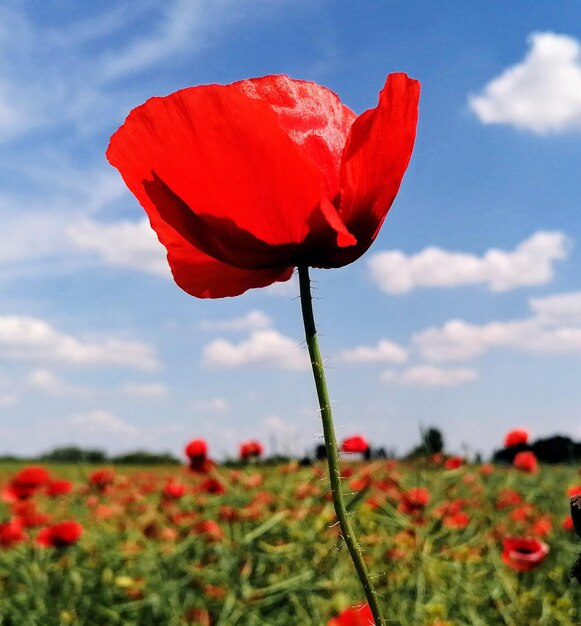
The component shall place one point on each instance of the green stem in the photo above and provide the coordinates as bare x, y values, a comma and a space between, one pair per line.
331, 445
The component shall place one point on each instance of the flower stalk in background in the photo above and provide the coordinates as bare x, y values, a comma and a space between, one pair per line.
245, 182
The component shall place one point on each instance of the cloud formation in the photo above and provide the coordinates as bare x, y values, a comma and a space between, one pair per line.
541, 94
384, 352
24, 338
429, 376
48, 382
264, 348
130, 245
530, 263
253, 320
555, 329
101, 422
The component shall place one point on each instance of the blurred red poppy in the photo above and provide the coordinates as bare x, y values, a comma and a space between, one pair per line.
212, 485
26, 483
454, 462
58, 488
196, 447
526, 461
355, 444
197, 453
173, 490
60, 535
353, 616
515, 437
102, 478
414, 500
243, 182
11, 533
522, 553
250, 449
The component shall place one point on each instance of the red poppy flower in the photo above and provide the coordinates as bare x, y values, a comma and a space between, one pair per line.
197, 453
414, 500
355, 444
522, 553
58, 488
567, 523
196, 447
250, 449
102, 478
173, 490
486, 469
60, 535
508, 498
26, 483
457, 520
11, 533
209, 529
515, 437
243, 182
526, 461
454, 462
212, 485
353, 616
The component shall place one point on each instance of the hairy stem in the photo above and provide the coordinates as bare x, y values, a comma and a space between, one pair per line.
331, 445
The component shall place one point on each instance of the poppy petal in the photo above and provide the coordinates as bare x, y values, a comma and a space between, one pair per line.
240, 170
374, 161
312, 116
204, 277
194, 271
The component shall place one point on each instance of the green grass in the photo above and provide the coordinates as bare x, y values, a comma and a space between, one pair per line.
279, 560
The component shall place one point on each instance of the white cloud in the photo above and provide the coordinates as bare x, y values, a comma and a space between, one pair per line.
102, 422
48, 382
180, 26
8, 399
253, 320
262, 348
458, 340
211, 405
131, 245
285, 289
542, 93
31, 339
145, 390
562, 308
530, 263
429, 376
384, 352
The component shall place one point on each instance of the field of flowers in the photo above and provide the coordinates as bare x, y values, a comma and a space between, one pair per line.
258, 545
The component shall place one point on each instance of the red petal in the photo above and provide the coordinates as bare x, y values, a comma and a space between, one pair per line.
312, 116
237, 174
376, 156
203, 276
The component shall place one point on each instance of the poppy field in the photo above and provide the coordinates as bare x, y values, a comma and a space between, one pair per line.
448, 543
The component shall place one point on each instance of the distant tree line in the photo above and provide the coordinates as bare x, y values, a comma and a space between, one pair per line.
74, 454
555, 449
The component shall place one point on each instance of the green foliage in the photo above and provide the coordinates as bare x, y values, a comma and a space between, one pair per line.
277, 559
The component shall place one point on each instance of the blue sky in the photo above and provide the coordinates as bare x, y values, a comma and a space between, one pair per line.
465, 314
